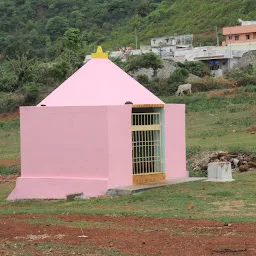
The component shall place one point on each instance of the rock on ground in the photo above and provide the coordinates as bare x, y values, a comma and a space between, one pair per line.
247, 58
163, 73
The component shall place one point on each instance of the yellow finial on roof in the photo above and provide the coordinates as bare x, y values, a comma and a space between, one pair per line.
100, 54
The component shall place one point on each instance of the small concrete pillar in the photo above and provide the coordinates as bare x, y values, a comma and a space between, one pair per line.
219, 171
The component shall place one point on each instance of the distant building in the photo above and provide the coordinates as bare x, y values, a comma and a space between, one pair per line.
166, 46
245, 23
123, 53
239, 40
175, 40
246, 33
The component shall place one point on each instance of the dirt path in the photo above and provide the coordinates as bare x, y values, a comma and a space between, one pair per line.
130, 235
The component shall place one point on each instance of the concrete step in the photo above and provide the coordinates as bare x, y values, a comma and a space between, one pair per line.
129, 190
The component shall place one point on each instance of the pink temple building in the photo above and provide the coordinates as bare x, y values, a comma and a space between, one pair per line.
98, 130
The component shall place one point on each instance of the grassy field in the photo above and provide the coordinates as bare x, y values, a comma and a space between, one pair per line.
9, 139
218, 123
226, 202
210, 124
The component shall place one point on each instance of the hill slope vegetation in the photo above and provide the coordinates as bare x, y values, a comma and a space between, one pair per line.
35, 27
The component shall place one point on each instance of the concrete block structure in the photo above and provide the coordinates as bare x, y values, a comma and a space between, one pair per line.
98, 130
220, 171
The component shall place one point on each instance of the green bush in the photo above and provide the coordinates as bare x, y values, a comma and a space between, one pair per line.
143, 79
197, 68
209, 84
118, 61
9, 170
31, 94
151, 60
162, 87
179, 75
10, 103
8, 78
248, 88
58, 70
242, 76
147, 60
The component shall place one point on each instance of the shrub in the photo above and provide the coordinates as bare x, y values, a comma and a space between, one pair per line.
118, 61
179, 75
197, 68
8, 79
248, 88
242, 76
151, 60
10, 103
162, 87
143, 79
31, 94
209, 83
159, 88
9, 170
59, 70
147, 60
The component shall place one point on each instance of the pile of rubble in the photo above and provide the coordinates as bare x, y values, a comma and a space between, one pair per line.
239, 161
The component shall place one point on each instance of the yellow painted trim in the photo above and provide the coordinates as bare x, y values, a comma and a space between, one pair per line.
141, 179
100, 54
149, 106
154, 127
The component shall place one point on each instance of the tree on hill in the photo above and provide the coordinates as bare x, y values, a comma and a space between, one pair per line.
26, 25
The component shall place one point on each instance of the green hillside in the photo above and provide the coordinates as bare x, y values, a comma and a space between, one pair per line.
35, 27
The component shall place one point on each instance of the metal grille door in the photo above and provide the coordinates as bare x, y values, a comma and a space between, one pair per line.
146, 139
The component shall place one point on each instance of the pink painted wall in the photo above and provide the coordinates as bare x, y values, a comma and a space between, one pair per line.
73, 149
64, 142
175, 141
120, 146
87, 149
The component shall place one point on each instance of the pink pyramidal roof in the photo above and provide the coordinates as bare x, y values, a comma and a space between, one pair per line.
100, 82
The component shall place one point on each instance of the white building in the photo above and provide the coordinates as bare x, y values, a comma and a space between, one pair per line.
176, 40
246, 23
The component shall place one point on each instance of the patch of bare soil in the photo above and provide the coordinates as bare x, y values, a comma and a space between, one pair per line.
9, 178
232, 205
9, 116
141, 236
251, 129
228, 93
221, 92
9, 162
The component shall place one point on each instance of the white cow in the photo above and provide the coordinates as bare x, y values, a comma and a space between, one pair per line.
182, 88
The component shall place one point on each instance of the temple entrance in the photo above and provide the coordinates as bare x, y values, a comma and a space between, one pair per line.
147, 145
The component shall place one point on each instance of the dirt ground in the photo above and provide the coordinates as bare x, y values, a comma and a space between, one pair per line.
9, 178
228, 93
221, 92
9, 116
130, 235
251, 129
9, 162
